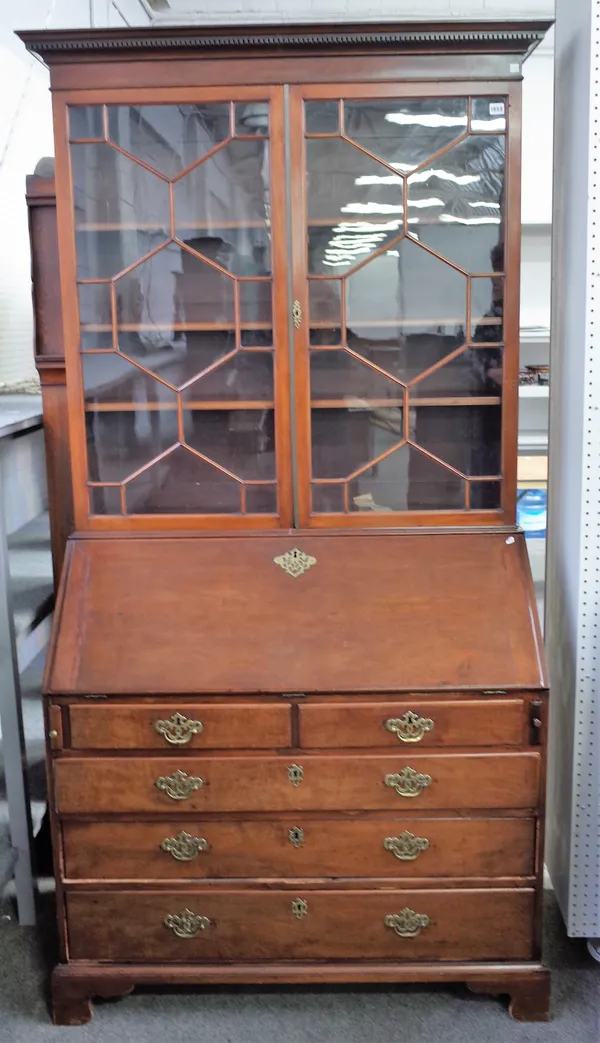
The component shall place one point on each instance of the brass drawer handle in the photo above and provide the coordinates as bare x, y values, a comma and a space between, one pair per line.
407, 846
186, 924
178, 729
184, 847
407, 923
408, 782
179, 785
410, 727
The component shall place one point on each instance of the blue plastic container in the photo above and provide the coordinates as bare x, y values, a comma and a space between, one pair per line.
532, 510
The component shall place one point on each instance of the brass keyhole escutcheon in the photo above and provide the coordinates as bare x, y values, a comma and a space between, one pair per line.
299, 908
296, 836
295, 774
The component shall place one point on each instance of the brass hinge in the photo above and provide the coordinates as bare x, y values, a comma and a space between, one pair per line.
293, 695
494, 691
94, 696
535, 723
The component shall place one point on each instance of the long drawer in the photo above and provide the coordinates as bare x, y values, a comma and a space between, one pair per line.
145, 726
298, 846
313, 782
206, 926
494, 722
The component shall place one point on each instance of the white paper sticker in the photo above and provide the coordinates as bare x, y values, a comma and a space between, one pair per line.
496, 108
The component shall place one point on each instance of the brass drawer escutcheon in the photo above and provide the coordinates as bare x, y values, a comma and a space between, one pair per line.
295, 774
410, 727
179, 785
407, 846
408, 782
178, 729
295, 562
297, 314
296, 836
299, 908
186, 924
407, 923
184, 847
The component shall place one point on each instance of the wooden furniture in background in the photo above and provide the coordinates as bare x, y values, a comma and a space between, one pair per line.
296, 697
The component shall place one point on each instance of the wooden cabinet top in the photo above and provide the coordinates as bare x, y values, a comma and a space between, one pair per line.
369, 613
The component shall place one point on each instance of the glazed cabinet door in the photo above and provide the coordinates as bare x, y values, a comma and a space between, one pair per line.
406, 282
178, 353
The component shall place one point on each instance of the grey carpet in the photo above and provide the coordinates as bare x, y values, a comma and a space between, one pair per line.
382, 1014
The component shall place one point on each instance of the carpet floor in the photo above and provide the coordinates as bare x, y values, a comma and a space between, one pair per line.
343, 1014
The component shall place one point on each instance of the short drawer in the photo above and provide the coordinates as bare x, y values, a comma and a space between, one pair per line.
489, 722
298, 846
226, 926
145, 726
312, 782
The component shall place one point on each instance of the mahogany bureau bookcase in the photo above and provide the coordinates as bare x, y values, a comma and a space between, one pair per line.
296, 696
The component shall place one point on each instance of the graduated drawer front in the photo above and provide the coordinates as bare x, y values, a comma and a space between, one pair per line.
493, 722
180, 725
294, 847
312, 782
268, 925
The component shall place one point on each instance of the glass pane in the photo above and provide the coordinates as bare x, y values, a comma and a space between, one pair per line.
407, 480
486, 496
187, 356
487, 309
475, 372
241, 440
321, 117
252, 118
182, 483
94, 304
463, 193
248, 377
406, 310
121, 441
488, 114
109, 378
105, 499
168, 137
255, 303
327, 499
466, 437
261, 499
324, 297
345, 439
85, 121
337, 375
121, 210
404, 132
324, 337
222, 208
161, 298
355, 205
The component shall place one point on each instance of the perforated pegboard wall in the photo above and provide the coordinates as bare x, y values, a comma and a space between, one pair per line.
584, 905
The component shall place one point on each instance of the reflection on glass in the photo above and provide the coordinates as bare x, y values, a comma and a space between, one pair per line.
338, 375
324, 296
485, 496
322, 117
355, 206
327, 499
105, 499
475, 372
121, 441
465, 437
85, 121
405, 132
261, 499
168, 137
343, 440
487, 309
248, 376
94, 304
462, 192
256, 313
182, 483
252, 118
222, 208
488, 114
407, 480
240, 440
121, 210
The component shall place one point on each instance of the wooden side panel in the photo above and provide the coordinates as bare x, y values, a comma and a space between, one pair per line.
112, 784
299, 846
254, 925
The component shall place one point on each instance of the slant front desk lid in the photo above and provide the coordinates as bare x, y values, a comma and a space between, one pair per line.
295, 612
